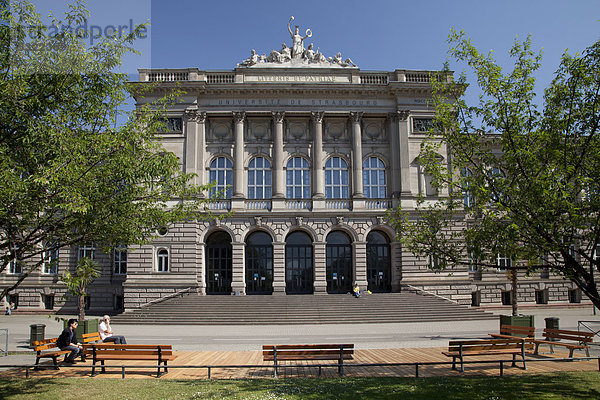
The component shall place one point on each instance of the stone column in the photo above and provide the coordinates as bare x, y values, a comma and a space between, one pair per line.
395, 151
200, 268
278, 186
238, 155
403, 130
278, 268
357, 178
318, 184
320, 269
201, 139
238, 281
396, 265
360, 264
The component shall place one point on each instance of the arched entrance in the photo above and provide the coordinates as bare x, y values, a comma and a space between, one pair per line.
379, 268
339, 263
298, 263
259, 264
218, 263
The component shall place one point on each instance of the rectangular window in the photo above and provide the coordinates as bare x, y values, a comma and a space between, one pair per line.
506, 298
120, 260
50, 261
87, 301
87, 250
13, 301
15, 266
574, 296
503, 262
119, 302
545, 273
48, 300
475, 299
541, 296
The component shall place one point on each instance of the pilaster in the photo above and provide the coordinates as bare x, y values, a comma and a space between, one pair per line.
279, 268
238, 159
320, 270
238, 283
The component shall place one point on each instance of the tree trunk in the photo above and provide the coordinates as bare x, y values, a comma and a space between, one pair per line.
81, 308
513, 279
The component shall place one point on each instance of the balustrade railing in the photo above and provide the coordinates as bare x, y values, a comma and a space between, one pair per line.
374, 79
223, 77
337, 204
168, 76
258, 204
220, 205
378, 204
304, 204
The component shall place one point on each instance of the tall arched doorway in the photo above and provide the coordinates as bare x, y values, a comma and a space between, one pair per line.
218, 263
259, 263
379, 275
298, 263
339, 263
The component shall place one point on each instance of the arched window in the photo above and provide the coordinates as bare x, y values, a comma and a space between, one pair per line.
298, 263
338, 263
162, 260
336, 179
378, 262
374, 178
218, 263
221, 174
298, 179
259, 178
466, 174
259, 264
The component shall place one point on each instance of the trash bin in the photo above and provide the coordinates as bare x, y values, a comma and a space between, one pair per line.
37, 332
552, 323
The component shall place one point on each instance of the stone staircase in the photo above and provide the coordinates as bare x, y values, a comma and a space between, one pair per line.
192, 309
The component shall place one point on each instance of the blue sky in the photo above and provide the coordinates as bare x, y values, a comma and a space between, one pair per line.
375, 34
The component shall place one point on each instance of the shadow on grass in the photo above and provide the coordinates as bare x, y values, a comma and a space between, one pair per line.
29, 387
585, 385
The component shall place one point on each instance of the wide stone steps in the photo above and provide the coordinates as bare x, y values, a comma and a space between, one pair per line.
301, 309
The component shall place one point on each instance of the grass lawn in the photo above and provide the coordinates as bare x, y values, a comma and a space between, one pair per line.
575, 385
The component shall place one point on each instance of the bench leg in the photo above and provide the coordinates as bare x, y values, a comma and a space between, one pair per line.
55, 362
462, 366
514, 363
103, 369
94, 369
453, 362
571, 350
587, 351
37, 364
537, 346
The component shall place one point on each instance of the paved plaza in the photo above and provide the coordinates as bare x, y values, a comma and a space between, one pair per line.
251, 338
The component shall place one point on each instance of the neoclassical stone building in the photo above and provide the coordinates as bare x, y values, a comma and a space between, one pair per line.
309, 154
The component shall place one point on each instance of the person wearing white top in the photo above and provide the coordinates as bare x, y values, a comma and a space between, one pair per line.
106, 332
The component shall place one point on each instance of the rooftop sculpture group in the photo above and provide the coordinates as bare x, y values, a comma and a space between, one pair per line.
297, 54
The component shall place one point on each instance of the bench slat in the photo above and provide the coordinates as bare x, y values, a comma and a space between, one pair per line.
307, 346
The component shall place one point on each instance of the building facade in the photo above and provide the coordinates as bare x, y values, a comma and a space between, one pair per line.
309, 154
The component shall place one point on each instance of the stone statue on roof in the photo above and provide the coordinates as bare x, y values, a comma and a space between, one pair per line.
297, 55
297, 40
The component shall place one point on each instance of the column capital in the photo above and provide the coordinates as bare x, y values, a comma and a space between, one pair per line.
239, 116
278, 116
356, 116
195, 115
403, 114
317, 116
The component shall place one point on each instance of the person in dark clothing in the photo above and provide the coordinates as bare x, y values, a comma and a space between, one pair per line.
68, 341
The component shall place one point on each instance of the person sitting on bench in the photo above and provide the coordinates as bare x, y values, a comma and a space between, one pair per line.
68, 341
106, 332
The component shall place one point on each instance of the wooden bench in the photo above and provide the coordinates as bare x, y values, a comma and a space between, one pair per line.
101, 352
93, 337
514, 332
483, 347
54, 353
581, 338
300, 352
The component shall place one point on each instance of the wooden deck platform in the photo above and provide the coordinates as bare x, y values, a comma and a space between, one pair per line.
403, 355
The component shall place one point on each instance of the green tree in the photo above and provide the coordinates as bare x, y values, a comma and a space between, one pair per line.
86, 271
70, 171
522, 180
